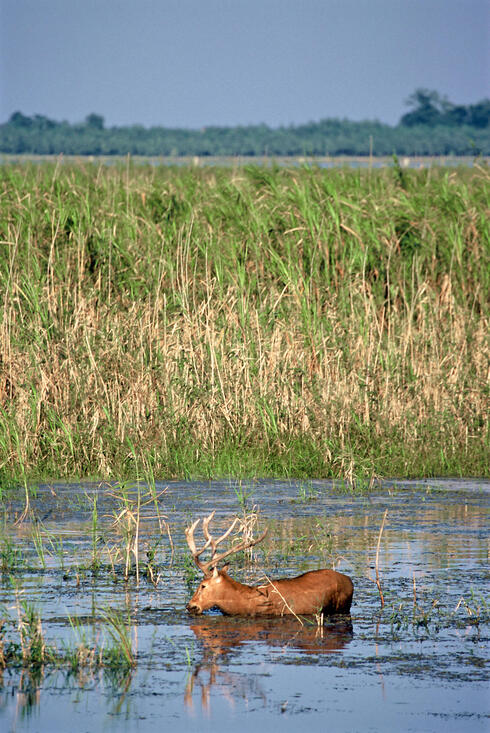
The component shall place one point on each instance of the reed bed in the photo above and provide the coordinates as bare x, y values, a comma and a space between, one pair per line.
23, 644
248, 321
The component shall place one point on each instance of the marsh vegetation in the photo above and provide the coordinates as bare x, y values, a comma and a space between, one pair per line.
242, 322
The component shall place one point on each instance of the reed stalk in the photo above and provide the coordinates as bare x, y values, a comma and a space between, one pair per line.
378, 580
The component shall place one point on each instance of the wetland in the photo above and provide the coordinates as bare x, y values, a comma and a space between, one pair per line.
199, 323
122, 653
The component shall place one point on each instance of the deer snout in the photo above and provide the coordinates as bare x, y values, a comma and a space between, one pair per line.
193, 607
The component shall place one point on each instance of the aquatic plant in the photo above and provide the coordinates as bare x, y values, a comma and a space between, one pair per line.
378, 580
11, 558
242, 495
95, 562
306, 493
127, 520
34, 651
38, 542
120, 629
22, 642
477, 607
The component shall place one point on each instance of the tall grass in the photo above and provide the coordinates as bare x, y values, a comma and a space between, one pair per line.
248, 321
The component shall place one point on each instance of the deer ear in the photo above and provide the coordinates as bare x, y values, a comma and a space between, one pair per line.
225, 568
215, 572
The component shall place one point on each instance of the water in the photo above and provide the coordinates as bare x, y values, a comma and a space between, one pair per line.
418, 664
339, 161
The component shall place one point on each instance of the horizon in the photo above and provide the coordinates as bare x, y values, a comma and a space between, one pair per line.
204, 128
183, 65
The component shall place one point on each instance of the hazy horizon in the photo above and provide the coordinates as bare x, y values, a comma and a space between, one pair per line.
190, 65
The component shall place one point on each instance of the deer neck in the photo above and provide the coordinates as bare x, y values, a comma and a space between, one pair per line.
241, 599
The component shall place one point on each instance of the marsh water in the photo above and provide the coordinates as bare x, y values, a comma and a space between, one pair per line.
337, 161
419, 663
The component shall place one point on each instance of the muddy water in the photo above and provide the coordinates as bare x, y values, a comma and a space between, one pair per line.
419, 663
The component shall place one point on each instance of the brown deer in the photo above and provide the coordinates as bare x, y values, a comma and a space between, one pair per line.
317, 592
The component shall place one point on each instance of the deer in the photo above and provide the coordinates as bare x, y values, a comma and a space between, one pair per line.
316, 592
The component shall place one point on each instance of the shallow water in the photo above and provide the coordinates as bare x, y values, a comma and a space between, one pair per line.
337, 161
418, 664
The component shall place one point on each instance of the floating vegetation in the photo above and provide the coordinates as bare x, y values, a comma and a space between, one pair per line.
434, 617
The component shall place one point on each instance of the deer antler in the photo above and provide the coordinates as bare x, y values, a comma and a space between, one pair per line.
213, 544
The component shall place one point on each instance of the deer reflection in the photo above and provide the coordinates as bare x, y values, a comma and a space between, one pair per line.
219, 636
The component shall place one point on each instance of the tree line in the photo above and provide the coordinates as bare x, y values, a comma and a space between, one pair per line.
432, 126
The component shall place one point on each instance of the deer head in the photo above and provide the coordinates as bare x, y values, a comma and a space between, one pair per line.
217, 588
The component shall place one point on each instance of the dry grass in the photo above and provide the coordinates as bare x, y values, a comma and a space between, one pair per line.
242, 322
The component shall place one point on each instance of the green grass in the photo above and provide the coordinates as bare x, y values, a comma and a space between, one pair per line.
178, 322
23, 645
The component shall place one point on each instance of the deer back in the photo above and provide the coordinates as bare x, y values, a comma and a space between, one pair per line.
317, 591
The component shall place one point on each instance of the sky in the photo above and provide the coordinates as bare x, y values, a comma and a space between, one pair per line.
195, 63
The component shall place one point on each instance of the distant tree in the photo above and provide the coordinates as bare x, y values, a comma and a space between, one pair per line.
428, 108
44, 122
479, 114
17, 119
433, 126
457, 115
96, 122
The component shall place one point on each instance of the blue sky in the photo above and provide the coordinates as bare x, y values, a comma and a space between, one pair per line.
190, 63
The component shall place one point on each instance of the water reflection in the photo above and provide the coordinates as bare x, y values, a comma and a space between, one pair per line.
25, 695
21, 691
219, 637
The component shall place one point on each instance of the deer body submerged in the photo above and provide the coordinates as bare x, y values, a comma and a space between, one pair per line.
315, 592
318, 591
